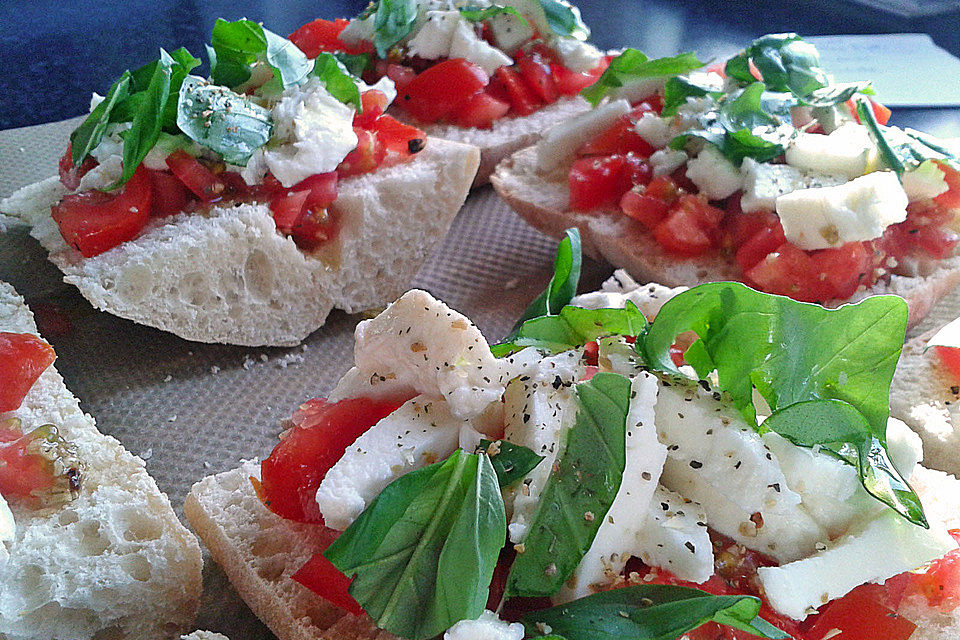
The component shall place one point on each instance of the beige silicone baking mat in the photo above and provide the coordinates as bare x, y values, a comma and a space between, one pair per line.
192, 409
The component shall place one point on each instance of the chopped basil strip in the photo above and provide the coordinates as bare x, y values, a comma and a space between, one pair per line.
236, 46
890, 158
785, 62
424, 551
88, 135
585, 480
632, 65
393, 21
562, 286
337, 80
678, 89
904, 150
797, 355
574, 327
510, 461
222, 120
649, 612
475, 14
564, 19
355, 64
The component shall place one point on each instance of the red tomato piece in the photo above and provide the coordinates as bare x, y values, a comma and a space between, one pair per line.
620, 138
200, 180
600, 182
843, 269
536, 73
860, 615
441, 89
687, 229
324, 35
23, 357
398, 141
482, 111
788, 271
287, 209
949, 199
373, 103
880, 112
169, 194
70, 175
950, 357
940, 583
37, 469
400, 75
365, 158
523, 101
759, 246
314, 227
321, 433
320, 576
568, 82
96, 221
322, 188
649, 210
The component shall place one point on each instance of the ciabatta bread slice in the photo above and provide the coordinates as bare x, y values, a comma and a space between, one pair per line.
926, 395
260, 551
543, 201
113, 563
506, 135
230, 277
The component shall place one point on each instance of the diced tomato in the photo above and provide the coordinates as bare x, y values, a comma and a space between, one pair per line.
649, 210
620, 138
70, 175
321, 433
200, 180
940, 583
860, 615
600, 182
322, 189
314, 227
441, 89
236, 187
937, 241
169, 194
398, 141
536, 72
759, 246
880, 112
788, 271
481, 111
38, 469
664, 188
320, 576
373, 103
96, 221
365, 158
680, 234
949, 199
568, 82
523, 101
23, 357
400, 75
950, 357
591, 351
323, 35
287, 209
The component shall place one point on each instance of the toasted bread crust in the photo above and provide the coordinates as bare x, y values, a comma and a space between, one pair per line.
542, 200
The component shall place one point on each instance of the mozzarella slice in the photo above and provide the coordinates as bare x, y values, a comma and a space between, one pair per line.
466, 44
562, 141
8, 528
715, 176
848, 151
655, 130
422, 344
674, 537
617, 537
509, 31
420, 432
926, 181
433, 39
576, 55
826, 217
487, 627
886, 546
763, 183
620, 288
665, 161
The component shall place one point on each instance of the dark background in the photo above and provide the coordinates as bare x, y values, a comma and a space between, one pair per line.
54, 53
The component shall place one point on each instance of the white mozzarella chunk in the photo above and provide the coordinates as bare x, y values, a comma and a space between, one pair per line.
487, 627
562, 141
422, 344
638, 90
509, 31
316, 130
886, 546
825, 217
926, 181
715, 176
617, 537
763, 183
655, 130
674, 537
848, 151
534, 418
665, 161
420, 432
384, 85
560, 370
358, 31
105, 174
576, 55
466, 44
433, 39
256, 169
8, 528
904, 447
620, 288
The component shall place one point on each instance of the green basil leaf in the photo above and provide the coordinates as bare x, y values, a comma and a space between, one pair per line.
564, 19
835, 94
148, 120
238, 45
650, 612
574, 327
585, 479
785, 62
424, 551
887, 153
88, 135
678, 89
925, 147
632, 65
184, 63
393, 22
793, 352
221, 120
510, 461
337, 80
355, 64
476, 14
563, 283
